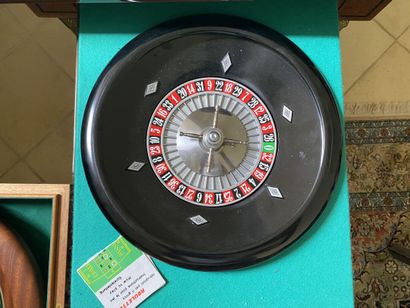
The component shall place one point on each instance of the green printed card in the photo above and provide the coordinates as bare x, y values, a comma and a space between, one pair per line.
121, 275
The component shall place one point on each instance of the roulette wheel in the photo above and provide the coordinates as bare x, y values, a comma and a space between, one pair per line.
211, 142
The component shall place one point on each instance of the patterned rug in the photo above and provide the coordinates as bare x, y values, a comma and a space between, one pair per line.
378, 163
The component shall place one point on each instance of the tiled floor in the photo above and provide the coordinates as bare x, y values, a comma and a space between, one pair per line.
37, 72
376, 65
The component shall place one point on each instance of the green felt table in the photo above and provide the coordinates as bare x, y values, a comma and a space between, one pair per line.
316, 270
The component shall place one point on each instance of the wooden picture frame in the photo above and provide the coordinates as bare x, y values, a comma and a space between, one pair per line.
60, 197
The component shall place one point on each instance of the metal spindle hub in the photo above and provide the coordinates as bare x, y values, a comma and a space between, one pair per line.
213, 138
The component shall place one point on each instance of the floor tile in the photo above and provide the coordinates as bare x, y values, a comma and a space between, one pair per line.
20, 173
404, 39
7, 157
25, 16
52, 159
395, 18
11, 32
360, 49
383, 92
35, 95
59, 42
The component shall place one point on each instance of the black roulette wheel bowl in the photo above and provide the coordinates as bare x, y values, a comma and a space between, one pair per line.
253, 229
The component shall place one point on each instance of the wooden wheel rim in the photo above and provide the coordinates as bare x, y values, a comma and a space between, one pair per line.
20, 285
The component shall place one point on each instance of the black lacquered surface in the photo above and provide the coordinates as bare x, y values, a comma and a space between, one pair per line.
115, 128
